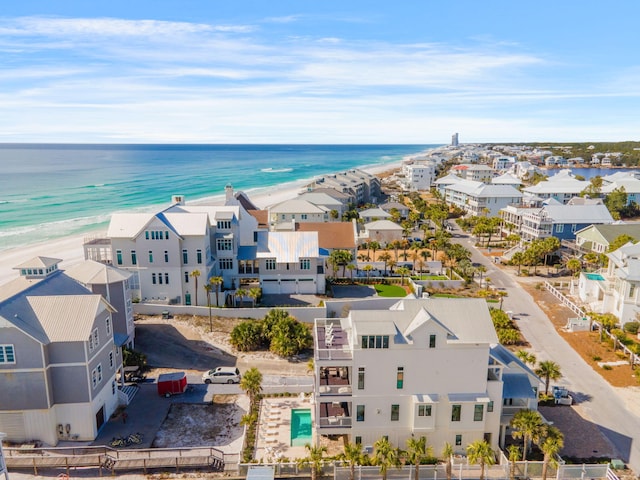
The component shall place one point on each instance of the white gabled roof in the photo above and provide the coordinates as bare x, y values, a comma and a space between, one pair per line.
449, 179
483, 190
382, 225
630, 185
374, 212
319, 198
128, 225
91, 272
506, 179
288, 247
562, 182
38, 262
191, 224
295, 206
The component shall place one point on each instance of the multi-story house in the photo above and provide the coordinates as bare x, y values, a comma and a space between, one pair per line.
561, 221
361, 186
476, 173
477, 198
327, 202
402, 209
562, 186
290, 262
283, 214
373, 214
58, 359
597, 238
113, 284
616, 289
418, 176
419, 368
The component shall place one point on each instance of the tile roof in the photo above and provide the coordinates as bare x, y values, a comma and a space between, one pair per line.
331, 235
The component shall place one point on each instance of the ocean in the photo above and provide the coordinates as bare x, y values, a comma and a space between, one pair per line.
49, 191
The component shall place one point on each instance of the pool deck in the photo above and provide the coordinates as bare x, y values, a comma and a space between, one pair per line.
274, 428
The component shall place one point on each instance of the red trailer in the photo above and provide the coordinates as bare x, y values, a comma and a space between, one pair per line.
172, 383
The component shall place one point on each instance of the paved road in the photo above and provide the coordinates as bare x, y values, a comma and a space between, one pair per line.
600, 402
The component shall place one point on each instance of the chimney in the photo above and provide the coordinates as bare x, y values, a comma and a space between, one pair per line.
228, 193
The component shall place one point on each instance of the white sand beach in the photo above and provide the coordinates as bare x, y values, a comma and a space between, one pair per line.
70, 250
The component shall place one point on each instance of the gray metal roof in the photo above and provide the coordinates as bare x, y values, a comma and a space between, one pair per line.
91, 272
578, 213
38, 262
287, 247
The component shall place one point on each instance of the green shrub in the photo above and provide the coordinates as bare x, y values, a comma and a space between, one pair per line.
607, 367
596, 358
632, 327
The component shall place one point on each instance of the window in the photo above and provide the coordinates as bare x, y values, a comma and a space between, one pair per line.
400, 378
107, 323
490, 407
424, 410
111, 360
96, 375
632, 290
166, 257
303, 216
113, 388
478, 413
305, 264
358, 440
166, 278
185, 257
146, 234
199, 256
134, 257
224, 244
7, 354
573, 228
559, 228
360, 378
456, 410
375, 341
226, 263
166, 235
150, 256
224, 224
160, 278
458, 440
186, 277
119, 257
432, 341
360, 413
93, 340
270, 264
395, 413
153, 278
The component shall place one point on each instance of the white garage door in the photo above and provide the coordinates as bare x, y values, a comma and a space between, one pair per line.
13, 425
287, 285
270, 287
306, 285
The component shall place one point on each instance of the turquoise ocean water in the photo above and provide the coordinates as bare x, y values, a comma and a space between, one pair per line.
52, 191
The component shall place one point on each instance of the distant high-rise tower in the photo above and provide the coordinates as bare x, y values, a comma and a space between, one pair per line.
454, 140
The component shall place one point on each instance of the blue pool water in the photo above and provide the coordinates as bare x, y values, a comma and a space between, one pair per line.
594, 276
300, 427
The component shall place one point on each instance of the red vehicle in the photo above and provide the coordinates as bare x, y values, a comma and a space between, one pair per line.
172, 383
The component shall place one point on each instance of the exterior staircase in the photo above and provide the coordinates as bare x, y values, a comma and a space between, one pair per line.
126, 393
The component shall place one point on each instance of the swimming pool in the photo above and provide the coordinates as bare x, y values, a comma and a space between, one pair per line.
300, 427
594, 276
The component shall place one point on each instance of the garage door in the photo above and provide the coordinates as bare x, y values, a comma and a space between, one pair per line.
13, 425
288, 285
270, 287
306, 285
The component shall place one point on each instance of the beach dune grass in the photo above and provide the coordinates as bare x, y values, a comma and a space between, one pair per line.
390, 290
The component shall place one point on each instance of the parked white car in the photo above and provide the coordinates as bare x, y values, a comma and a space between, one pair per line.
222, 375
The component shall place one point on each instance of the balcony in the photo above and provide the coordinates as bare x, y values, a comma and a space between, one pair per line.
334, 415
331, 341
334, 381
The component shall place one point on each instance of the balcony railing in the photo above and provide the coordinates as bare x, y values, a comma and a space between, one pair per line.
334, 390
333, 422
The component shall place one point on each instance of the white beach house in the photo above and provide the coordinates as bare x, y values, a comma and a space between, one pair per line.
427, 367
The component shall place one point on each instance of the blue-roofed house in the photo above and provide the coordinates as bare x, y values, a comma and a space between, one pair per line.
58, 359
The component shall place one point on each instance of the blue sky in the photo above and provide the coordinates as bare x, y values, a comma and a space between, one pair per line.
324, 71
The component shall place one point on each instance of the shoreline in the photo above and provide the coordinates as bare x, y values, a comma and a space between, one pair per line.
70, 248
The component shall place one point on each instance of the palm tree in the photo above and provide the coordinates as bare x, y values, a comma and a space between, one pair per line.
314, 460
526, 424
254, 294
514, 456
251, 383
386, 258
417, 451
216, 282
240, 293
374, 246
550, 445
351, 267
367, 268
549, 371
352, 456
384, 455
403, 271
574, 265
480, 452
518, 258
526, 357
195, 274
447, 453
